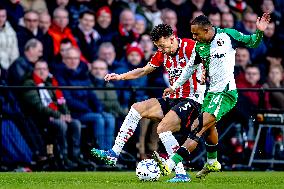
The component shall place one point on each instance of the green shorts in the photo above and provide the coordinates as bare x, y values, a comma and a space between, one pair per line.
219, 103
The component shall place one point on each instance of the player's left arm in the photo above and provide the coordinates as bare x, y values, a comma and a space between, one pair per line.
253, 40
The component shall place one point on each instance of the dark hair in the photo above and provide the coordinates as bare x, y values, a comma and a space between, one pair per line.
252, 66
161, 30
2, 8
65, 41
201, 20
90, 12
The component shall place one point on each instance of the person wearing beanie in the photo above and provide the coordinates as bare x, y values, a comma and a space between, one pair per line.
104, 24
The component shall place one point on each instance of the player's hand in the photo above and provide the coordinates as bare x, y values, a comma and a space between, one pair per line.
262, 23
112, 76
167, 91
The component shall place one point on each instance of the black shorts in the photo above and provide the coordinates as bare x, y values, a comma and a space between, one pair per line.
186, 109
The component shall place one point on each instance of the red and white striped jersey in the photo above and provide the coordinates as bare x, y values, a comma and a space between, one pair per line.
174, 66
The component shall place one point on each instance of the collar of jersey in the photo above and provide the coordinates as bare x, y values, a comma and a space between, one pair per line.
215, 28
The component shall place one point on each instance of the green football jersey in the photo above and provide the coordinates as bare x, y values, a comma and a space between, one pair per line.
218, 57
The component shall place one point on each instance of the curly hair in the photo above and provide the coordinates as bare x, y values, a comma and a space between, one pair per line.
201, 20
161, 30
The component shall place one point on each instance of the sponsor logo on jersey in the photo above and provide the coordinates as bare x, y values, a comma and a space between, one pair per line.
220, 42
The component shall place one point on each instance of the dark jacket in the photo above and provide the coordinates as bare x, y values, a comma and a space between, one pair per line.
19, 70
78, 101
108, 97
125, 95
89, 50
34, 105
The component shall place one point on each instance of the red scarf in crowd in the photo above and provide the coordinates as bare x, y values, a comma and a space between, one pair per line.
44, 94
124, 32
240, 6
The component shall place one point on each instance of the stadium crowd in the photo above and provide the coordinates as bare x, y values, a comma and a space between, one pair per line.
77, 42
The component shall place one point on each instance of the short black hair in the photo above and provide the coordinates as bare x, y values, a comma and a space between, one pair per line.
252, 66
201, 20
2, 8
90, 12
161, 30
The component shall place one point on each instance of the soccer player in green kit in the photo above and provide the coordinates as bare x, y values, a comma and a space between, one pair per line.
216, 49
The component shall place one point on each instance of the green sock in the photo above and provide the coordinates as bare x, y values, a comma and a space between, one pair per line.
212, 155
177, 158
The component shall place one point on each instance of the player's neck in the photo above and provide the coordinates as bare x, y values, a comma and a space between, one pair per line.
212, 34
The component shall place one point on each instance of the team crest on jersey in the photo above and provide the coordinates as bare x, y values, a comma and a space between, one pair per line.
220, 42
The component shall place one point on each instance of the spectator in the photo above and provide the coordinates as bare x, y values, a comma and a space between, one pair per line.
83, 104
150, 11
65, 45
227, 20
271, 41
182, 8
107, 53
76, 8
215, 18
14, 10
169, 17
127, 33
103, 26
108, 98
24, 64
220, 5
87, 37
242, 61
59, 29
239, 8
46, 39
275, 80
29, 29
196, 14
8, 42
49, 106
140, 24
116, 8
134, 57
268, 6
248, 26
252, 78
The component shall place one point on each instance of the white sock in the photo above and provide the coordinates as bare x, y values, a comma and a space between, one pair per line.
171, 145
126, 130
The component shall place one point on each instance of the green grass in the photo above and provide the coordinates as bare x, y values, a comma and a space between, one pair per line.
124, 180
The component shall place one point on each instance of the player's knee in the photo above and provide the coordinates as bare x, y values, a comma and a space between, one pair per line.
138, 106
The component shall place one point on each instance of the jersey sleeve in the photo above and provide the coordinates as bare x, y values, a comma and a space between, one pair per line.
239, 39
156, 60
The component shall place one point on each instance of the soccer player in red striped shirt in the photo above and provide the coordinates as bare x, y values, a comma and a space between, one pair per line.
176, 111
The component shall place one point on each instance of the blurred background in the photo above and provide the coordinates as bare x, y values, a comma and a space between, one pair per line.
45, 45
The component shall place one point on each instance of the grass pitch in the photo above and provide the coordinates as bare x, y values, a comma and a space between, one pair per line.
124, 180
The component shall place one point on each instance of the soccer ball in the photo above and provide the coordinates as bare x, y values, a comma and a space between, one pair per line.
147, 170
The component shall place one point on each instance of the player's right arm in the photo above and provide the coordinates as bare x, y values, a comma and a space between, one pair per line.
133, 74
